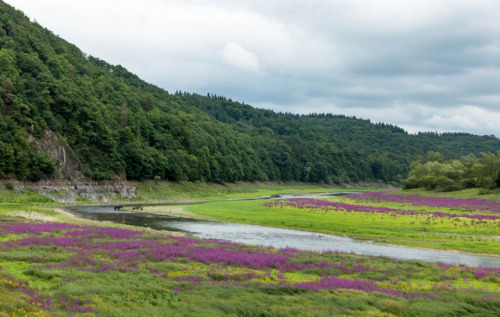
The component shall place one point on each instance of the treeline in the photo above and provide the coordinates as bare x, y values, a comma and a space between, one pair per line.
467, 172
117, 125
308, 150
367, 150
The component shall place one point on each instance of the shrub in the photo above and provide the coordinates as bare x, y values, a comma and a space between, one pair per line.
41, 167
484, 191
9, 186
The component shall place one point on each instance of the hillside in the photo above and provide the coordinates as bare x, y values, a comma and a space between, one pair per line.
115, 125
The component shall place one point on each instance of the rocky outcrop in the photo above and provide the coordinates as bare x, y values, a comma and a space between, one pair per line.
66, 191
72, 191
70, 184
67, 165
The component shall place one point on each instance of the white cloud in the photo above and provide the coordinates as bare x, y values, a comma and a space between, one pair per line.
419, 117
465, 118
235, 55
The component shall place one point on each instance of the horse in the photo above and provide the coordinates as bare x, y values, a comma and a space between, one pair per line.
118, 207
137, 208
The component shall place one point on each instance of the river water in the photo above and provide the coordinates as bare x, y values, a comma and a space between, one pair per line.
275, 237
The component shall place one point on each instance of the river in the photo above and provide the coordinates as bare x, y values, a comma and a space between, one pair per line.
275, 237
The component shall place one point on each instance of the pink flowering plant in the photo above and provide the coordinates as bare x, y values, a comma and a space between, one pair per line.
64, 269
471, 204
470, 225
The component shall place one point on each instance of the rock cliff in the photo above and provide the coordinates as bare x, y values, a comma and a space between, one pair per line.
70, 183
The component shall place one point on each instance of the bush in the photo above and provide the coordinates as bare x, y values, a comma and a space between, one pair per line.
9, 186
100, 175
41, 167
485, 191
411, 182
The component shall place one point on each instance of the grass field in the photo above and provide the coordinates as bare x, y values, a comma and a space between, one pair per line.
150, 191
58, 269
388, 224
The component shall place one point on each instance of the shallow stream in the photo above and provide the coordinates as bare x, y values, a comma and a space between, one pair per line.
276, 237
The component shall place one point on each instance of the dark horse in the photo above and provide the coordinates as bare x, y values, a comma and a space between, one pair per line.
118, 207
137, 208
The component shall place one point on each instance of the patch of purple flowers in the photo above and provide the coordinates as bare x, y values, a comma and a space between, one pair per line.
311, 203
101, 250
47, 301
434, 202
36, 227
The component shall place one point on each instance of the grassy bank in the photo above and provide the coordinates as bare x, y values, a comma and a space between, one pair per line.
472, 193
35, 207
387, 222
28, 204
450, 233
150, 191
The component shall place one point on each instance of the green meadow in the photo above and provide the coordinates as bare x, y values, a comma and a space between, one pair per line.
400, 230
151, 191
60, 269
52, 264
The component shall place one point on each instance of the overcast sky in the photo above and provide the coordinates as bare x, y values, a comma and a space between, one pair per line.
424, 65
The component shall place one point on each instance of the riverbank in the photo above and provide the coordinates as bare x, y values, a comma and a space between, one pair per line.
91, 192
182, 211
22, 201
459, 233
60, 269
157, 192
238, 203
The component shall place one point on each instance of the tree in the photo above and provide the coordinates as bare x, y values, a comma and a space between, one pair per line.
490, 167
41, 167
434, 156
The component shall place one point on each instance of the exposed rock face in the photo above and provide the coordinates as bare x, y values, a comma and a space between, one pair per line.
69, 192
66, 165
70, 183
66, 191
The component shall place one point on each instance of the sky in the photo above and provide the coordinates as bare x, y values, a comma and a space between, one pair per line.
423, 65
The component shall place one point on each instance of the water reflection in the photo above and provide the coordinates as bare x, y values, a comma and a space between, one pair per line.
267, 236
335, 194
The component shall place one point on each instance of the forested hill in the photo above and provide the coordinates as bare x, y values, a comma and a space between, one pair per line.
388, 149
117, 125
